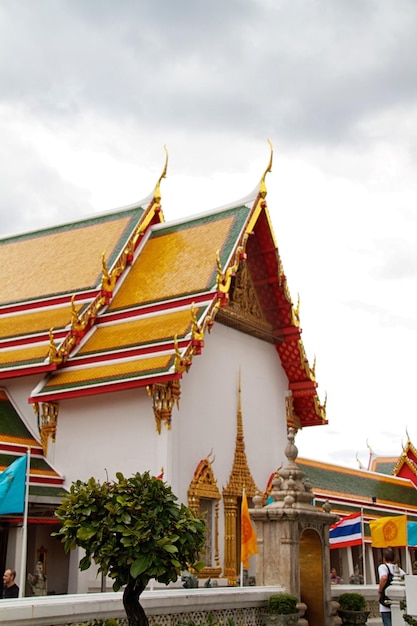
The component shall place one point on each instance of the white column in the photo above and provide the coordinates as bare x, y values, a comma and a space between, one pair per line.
351, 568
372, 577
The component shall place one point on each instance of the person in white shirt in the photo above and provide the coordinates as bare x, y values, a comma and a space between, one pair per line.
386, 567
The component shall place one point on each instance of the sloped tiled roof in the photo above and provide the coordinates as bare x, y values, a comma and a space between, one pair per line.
347, 488
15, 439
383, 465
139, 317
56, 275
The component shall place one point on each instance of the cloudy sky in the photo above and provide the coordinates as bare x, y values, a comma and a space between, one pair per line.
91, 90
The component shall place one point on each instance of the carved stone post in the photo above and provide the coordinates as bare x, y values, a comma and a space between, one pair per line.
293, 541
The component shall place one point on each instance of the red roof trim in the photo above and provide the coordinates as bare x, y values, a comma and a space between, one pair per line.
20, 447
104, 388
41, 479
167, 346
31, 339
48, 302
157, 307
25, 371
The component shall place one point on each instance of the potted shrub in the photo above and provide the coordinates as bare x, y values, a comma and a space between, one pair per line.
353, 608
282, 609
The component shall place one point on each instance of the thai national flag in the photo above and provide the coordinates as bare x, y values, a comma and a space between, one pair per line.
347, 532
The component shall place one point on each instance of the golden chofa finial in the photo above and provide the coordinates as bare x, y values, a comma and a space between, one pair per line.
53, 350
262, 186
157, 192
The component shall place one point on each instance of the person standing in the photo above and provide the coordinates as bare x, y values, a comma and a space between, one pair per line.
385, 572
334, 578
10, 589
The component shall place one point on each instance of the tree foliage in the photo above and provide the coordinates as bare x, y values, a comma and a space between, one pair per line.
133, 529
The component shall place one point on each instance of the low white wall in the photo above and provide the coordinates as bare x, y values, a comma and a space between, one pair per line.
411, 594
73, 609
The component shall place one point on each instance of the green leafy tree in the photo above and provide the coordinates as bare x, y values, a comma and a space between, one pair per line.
134, 530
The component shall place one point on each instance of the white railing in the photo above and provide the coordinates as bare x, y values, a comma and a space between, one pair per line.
242, 604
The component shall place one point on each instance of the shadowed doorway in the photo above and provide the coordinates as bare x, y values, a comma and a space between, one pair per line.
311, 576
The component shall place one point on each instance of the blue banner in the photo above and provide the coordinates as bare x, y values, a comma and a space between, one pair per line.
412, 533
13, 486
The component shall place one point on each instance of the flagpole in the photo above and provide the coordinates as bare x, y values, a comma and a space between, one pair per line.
241, 562
25, 531
363, 546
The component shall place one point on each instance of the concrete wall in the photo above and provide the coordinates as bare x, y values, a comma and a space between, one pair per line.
241, 604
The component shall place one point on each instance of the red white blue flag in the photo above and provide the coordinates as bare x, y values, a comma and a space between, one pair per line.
347, 532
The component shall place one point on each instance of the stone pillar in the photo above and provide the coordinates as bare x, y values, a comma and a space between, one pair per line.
293, 541
396, 594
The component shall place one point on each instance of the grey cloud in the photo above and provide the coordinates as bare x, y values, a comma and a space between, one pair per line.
33, 194
302, 72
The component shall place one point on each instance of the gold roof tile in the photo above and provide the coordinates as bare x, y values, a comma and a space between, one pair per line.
96, 373
17, 356
35, 322
174, 263
144, 330
57, 262
24, 441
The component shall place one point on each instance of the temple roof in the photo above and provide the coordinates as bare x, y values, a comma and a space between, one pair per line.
348, 489
45, 484
137, 315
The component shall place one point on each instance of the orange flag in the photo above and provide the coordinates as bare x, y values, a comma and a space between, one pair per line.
389, 532
248, 535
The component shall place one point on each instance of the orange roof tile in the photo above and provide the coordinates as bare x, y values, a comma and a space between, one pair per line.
59, 261
110, 371
160, 274
34, 322
139, 331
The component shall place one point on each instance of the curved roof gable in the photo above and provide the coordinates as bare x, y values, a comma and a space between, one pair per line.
182, 278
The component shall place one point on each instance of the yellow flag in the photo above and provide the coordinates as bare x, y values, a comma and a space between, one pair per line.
248, 535
389, 532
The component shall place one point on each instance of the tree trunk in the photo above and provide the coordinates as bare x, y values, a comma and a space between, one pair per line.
135, 614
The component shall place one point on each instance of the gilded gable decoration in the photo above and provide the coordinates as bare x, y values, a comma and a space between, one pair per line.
53, 350
244, 311
293, 421
164, 397
47, 414
408, 457
203, 488
224, 278
197, 332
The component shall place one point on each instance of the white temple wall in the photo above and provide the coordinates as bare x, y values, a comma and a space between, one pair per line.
104, 434
207, 419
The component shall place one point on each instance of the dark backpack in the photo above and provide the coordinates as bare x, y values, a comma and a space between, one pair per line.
383, 598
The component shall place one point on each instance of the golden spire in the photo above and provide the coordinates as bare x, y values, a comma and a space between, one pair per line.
240, 475
157, 192
262, 186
